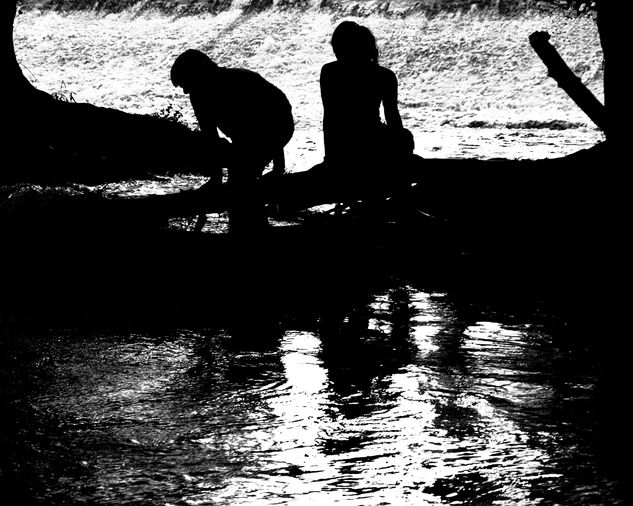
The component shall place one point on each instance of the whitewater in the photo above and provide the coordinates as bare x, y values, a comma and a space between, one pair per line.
469, 83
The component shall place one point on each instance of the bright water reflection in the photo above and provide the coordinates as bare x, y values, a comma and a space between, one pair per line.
402, 397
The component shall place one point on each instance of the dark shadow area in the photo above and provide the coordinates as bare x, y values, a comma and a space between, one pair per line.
361, 346
70, 142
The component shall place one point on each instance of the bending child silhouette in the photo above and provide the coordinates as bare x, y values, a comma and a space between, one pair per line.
253, 113
352, 90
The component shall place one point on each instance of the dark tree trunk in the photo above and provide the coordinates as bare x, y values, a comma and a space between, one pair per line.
14, 80
15, 84
614, 20
52, 141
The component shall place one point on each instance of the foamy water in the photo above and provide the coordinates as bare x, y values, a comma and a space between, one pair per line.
469, 83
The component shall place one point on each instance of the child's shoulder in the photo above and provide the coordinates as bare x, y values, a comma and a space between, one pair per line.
330, 66
386, 75
385, 71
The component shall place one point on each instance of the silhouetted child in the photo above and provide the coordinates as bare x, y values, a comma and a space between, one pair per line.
253, 113
352, 89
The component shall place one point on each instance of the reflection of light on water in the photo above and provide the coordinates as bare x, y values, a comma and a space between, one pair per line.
493, 446
500, 352
127, 377
398, 451
301, 407
455, 409
425, 321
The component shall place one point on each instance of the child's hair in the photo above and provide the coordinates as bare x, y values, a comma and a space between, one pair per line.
368, 47
354, 42
190, 64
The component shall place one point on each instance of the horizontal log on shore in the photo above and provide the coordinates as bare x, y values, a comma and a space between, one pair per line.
444, 187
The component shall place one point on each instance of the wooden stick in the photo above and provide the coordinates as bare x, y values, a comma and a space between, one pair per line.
567, 80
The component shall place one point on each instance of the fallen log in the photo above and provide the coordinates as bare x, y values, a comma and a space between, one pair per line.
502, 196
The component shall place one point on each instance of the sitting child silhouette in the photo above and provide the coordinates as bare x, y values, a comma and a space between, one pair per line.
352, 89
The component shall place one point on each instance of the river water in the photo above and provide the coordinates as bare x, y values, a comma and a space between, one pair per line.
403, 392
469, 84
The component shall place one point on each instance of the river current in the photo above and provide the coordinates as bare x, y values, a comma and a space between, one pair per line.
404, 393
469, 83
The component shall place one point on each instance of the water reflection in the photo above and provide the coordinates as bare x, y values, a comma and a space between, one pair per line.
384, 396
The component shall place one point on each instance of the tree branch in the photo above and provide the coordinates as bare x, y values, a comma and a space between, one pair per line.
567, 80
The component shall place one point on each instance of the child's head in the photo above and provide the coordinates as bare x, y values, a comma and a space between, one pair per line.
343, 40
191, 69
368, 50
352, 42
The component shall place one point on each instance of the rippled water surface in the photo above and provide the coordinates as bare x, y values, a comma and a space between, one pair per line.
404, 397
